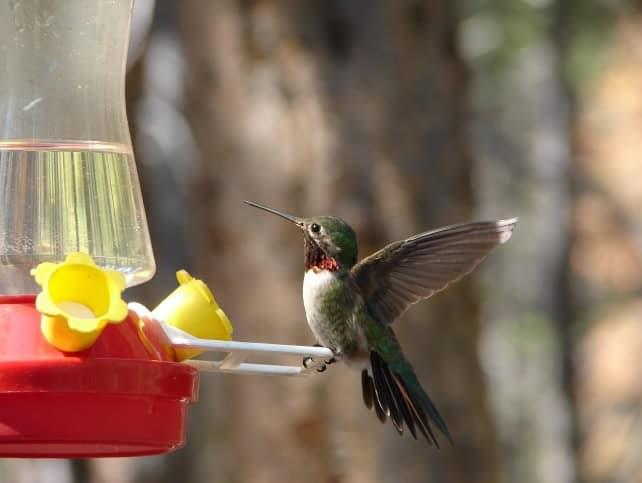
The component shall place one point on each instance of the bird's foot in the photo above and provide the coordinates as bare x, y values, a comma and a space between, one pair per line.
326, 363
332, 360
309, 362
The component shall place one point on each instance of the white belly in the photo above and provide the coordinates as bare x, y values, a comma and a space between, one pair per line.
333, 326
313, 285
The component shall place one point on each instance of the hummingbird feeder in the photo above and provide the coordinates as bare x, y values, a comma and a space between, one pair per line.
82, 373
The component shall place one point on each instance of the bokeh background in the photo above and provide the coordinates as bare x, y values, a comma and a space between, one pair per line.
400, 116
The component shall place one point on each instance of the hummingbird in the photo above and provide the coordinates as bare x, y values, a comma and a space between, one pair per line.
350, 306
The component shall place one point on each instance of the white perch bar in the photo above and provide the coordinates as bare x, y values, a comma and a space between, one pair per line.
238, 352
249, 368
186, 341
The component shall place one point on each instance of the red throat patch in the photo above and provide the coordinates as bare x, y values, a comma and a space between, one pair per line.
328, 264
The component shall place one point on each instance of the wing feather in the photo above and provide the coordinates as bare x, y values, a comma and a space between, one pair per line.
410, 270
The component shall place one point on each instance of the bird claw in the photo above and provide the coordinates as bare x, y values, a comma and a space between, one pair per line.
308, 362
326, 363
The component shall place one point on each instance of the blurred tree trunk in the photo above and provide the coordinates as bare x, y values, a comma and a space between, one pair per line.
355, 109
526, 111
607, 258
564, 305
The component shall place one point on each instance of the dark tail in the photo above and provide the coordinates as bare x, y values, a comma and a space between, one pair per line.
401, 398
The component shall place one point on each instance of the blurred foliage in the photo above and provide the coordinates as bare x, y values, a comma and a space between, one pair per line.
494, 30
555, 115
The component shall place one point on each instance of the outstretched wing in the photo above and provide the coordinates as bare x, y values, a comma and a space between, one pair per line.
408, 271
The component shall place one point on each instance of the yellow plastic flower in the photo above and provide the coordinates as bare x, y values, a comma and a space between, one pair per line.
193, 309
77, 301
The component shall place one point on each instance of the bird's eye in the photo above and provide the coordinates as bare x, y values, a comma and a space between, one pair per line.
315, 228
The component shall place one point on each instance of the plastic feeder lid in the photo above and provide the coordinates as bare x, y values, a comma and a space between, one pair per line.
123, 396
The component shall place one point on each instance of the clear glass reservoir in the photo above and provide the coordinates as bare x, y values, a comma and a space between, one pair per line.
68, 178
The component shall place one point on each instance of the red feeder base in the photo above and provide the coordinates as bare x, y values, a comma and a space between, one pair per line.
124, 396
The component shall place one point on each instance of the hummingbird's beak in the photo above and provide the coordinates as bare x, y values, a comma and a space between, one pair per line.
297, 221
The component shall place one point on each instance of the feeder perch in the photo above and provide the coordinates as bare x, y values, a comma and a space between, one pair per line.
238, 352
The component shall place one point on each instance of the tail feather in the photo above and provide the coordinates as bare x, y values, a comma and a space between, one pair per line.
402, 399
367, 388
419, 416
371, 398
406, 412
380, 411
385, 395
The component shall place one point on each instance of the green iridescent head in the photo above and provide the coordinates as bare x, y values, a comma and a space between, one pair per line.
326, 238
